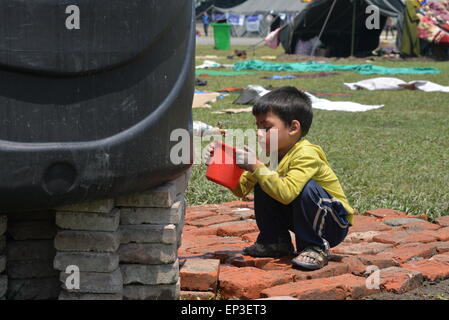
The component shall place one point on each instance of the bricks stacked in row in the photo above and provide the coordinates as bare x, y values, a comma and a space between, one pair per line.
30, 253
151, 225
3, 277
87, 242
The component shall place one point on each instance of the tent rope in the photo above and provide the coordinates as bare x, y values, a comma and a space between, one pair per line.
254, 46
315, 46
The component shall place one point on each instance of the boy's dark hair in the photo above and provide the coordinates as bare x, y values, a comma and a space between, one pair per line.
289, 104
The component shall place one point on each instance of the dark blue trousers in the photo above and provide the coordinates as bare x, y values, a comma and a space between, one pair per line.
315, 217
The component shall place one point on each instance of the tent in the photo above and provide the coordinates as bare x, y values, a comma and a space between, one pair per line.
256, 17
340, 25
267, 6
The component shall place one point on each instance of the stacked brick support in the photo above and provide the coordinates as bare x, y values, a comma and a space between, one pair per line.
87, 242
151, 225
113, 249
29, 254
124, 248
3, 277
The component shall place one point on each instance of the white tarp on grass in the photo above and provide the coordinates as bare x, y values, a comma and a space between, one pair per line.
396, 84
348, 106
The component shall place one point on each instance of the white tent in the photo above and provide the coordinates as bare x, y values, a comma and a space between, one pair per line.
254, 17
267, 6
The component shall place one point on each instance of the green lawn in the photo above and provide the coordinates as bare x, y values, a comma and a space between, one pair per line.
395, 157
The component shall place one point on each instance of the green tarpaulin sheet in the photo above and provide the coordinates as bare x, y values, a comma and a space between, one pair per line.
221, 73
326, 67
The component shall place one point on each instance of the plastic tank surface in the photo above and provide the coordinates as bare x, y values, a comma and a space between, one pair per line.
90, 91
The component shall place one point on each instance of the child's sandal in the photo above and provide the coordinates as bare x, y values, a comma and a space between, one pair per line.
319, 256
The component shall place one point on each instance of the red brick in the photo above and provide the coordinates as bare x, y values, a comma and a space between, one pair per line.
333, 269
443, 221
356, 237
213, 229
366, 223
183, 253
385, 213
248, 282
333, 250
378, 261
227, 268
405, 252
322, 289
208, 221
247, 261
421, 216
186, 228
441, 258
226, 212
199, 209
398, 280
361, 219
238, 204
250, 237
221, 251
190, 241
282, 298
431, 269
341, 287
284, 263
199, 245
355, 265
441, 234
408, 236
195, 241
421, 226
225, 255
442, 247
238, 229
362, 248
191, 217
200, 275
197, 295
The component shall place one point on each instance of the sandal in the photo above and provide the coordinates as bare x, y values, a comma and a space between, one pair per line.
319, 256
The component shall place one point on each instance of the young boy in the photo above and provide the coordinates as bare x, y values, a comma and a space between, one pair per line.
303, 194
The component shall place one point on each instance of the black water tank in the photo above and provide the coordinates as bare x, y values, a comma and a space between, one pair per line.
90, 91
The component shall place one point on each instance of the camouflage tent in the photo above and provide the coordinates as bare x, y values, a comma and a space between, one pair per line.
341, 24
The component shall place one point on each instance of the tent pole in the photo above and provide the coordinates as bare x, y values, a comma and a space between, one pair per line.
207, 10
324, 27
354, 3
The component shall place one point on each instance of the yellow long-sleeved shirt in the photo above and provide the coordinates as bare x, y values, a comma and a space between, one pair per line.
303, 162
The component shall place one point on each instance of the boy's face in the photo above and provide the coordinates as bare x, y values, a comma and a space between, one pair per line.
287, 136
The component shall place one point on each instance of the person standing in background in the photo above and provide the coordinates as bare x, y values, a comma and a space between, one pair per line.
389, 28
205, 23
410, 44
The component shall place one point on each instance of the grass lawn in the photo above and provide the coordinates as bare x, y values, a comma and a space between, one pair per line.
396, 157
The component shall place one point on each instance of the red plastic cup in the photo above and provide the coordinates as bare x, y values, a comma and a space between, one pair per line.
223, 168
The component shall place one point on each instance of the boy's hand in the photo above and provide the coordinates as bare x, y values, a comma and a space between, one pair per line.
209, 153
246, 159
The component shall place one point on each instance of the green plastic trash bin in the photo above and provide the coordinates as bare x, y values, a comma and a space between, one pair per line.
222, 36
